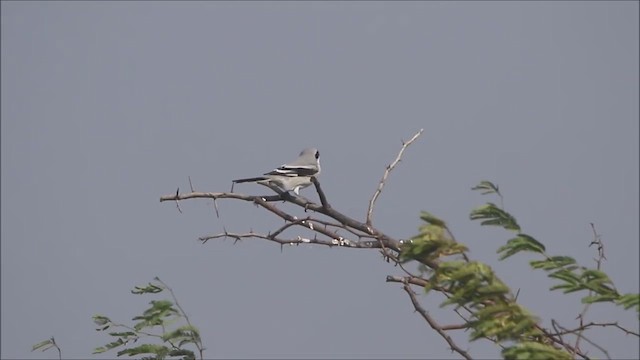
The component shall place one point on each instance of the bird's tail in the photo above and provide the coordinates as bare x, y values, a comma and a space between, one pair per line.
253, 179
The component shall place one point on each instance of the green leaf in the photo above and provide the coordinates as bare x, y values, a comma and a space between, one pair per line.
109, 346
44, 345
186, 354
494, 216
157, 314
553, 263
629, 300
566, 276
598, 298
148, 289
425, 248
160, 351
495, 289
181, 333
99, 350
486, 187
432, 219
504, 321
124, 334
101, 320
530, 350
522, 242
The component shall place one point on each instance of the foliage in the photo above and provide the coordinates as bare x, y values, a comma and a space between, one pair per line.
46, 345
494, 311
164, 315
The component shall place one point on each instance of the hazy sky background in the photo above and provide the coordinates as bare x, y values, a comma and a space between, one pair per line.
107, 106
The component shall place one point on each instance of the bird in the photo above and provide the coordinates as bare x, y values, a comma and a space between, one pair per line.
293, 176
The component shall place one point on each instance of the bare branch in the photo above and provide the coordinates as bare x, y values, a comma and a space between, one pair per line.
558, 340
595, 324
355, 232
576, 350
263, 201
408, 280
342, 242
323, 198
434, 325
386, 175
216, 195
455, 327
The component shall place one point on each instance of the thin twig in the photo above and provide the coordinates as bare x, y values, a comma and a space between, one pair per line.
53, 341
598, 242
576, 350
197, 341
558, 340
595, 324
387, 171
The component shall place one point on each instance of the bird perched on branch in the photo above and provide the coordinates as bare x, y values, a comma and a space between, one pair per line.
293, 176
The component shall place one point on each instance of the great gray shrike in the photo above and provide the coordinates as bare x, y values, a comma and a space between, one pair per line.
293, 176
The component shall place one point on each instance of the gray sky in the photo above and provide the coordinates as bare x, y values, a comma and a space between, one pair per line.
107, 106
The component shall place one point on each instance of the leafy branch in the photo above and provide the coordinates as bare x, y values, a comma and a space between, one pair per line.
46, 345
162, 314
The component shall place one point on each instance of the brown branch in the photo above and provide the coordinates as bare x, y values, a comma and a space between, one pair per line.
359, 234
216, 195
323, 198
595, 324
455, 327
408, 280
263, 201
434, 325
309, 224
557, 339
387, 171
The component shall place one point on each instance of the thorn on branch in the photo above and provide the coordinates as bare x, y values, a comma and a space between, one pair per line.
597, 240
177, 202
215, 206
191, 184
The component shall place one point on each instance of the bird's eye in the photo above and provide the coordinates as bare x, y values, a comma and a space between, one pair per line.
317, 154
